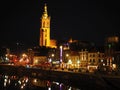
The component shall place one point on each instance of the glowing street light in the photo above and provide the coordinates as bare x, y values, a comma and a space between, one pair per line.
69, 62
53, 55
67, 55
61, 53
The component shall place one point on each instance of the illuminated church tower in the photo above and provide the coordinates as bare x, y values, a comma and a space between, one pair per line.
45, 29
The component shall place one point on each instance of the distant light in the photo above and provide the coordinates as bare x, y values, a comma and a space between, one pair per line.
57, 83
22, 87
49, 88
24, 84
35, 80
4, 84
27, 66
109, 45
103, 64
6, 76
101, 60
9, 81
114, 66
69, 62
19, 82
7, 58
53, 55
70, 88
5, 80
67, 55
78, 61
50, 60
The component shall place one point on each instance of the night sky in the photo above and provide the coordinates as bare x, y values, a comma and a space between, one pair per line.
85, 20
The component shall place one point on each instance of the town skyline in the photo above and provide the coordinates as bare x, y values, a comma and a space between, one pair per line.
86, 21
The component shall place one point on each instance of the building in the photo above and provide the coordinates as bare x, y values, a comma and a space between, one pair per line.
73, 60
83, 58
95, 58
45, 30
39, 59
111, 46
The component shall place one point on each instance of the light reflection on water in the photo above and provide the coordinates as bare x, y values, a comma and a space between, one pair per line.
27, 83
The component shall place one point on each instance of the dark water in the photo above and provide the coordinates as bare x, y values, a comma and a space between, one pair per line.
8, 82
27, 83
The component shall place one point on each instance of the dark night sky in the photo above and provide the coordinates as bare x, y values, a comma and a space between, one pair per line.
80, 19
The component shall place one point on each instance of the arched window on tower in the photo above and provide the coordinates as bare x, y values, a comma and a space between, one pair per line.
45, 35
45, 42
47, 24
43, 24
42, 30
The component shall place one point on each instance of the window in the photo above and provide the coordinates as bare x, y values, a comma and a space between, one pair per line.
90, 60
98, 55
93, 60
45, 35
99, 60
93, 55
90, 55
43, 24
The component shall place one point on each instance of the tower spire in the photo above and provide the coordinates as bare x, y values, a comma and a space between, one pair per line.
45, 14
45, 8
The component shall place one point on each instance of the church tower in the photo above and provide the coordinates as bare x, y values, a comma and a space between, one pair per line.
45, 29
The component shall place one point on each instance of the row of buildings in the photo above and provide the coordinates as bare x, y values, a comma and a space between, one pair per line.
72, 54
79, 54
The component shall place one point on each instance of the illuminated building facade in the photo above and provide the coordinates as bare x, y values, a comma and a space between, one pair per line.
95, 58
45, 30
83, 58
111, 46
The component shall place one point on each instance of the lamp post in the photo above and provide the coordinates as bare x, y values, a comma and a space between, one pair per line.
61, 53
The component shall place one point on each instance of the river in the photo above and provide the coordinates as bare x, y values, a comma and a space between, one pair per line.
13, 78
26, 83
